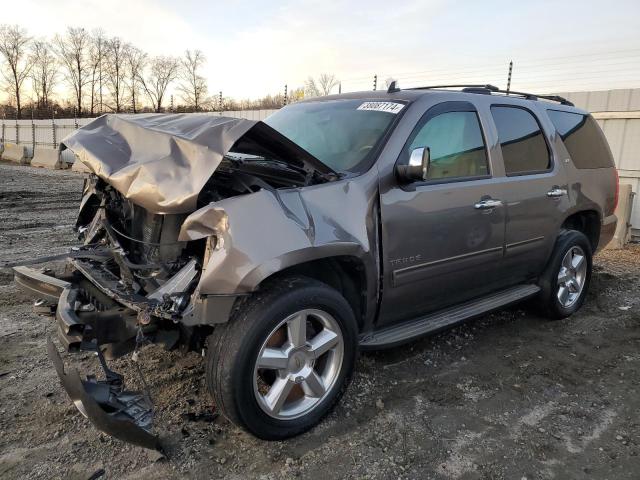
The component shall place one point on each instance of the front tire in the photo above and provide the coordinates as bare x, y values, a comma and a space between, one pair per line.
284, 359
566, 279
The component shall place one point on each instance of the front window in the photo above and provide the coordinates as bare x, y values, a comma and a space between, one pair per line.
455, 145
339, 133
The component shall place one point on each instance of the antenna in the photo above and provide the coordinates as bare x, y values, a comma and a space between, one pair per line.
393, 86
509, 77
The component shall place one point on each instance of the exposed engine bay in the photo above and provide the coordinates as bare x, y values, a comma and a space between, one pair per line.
136, 254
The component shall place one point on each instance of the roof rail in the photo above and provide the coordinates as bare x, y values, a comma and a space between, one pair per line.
487, 88
534, 96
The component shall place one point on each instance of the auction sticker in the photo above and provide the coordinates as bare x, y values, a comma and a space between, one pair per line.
389, 107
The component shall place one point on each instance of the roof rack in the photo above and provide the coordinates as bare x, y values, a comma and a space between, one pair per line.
489, 89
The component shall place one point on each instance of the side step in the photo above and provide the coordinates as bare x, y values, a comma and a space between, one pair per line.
434, 322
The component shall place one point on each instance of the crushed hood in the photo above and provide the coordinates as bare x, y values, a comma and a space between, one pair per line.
162, 161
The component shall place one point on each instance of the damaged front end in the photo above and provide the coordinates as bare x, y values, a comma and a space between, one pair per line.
116, 296
135, 279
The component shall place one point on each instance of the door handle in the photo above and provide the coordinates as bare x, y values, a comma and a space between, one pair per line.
556, 192
487, 204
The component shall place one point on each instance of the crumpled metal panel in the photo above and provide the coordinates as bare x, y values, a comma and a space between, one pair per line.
264, 232
158, 161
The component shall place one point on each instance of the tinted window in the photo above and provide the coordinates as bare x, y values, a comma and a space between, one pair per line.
583, 138
339, 133
456, 145
524, 149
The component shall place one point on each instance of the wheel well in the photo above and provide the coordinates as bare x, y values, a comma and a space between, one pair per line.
344, 273
587, 222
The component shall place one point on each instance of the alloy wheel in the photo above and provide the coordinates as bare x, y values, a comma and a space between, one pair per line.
572, 276
298, 364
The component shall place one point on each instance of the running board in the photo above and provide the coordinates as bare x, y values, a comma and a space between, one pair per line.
434, 322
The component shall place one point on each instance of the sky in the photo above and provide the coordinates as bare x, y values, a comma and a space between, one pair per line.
254, 48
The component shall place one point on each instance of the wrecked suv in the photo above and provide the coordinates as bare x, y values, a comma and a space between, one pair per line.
280, 248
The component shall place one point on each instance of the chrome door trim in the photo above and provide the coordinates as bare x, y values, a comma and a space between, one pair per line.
401, 276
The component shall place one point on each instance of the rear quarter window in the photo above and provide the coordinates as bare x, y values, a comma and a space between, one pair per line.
583, 138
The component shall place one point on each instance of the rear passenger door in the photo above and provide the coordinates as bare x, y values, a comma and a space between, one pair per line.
534, 191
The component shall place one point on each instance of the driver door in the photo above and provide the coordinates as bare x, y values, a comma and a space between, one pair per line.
443, 237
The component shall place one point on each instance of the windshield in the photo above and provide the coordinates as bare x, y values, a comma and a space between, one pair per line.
339, 133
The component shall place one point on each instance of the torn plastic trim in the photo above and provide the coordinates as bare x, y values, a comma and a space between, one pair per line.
83, 320
198, 310
125, 415
39, 284
179, 283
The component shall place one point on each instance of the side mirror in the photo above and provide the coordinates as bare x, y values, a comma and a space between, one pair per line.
418, 167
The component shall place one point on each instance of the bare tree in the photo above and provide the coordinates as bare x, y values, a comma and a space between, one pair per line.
295, 95
162, 71
116, 56
96, 64
44, 72
135, 63
193, 87
14, 47
73, 52
320, 86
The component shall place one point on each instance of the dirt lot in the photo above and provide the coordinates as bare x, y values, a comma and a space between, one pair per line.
507, 396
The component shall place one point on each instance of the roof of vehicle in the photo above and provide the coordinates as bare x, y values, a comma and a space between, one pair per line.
413, 94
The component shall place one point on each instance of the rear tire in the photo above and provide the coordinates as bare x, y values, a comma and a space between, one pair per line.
566, 279
269, 378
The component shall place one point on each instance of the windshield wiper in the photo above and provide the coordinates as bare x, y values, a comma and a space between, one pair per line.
238, 161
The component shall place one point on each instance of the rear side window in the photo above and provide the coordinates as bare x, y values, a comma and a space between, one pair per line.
456, 145
583, 138
524, 148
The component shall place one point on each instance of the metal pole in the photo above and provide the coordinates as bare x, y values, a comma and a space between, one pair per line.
509, 77
33, 135
375, 82
53, 127
339, 88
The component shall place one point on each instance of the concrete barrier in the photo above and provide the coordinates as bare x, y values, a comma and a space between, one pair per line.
15, 153
46, 158
623, 212
80, 167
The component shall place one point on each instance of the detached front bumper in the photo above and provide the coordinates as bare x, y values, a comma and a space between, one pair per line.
126, 415
122, 414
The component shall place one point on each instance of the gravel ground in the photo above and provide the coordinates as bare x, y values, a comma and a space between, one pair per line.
507, 396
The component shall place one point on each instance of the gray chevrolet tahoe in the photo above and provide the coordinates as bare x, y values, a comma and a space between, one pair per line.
281, 248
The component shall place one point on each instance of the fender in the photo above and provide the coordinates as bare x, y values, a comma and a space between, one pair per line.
254, 236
